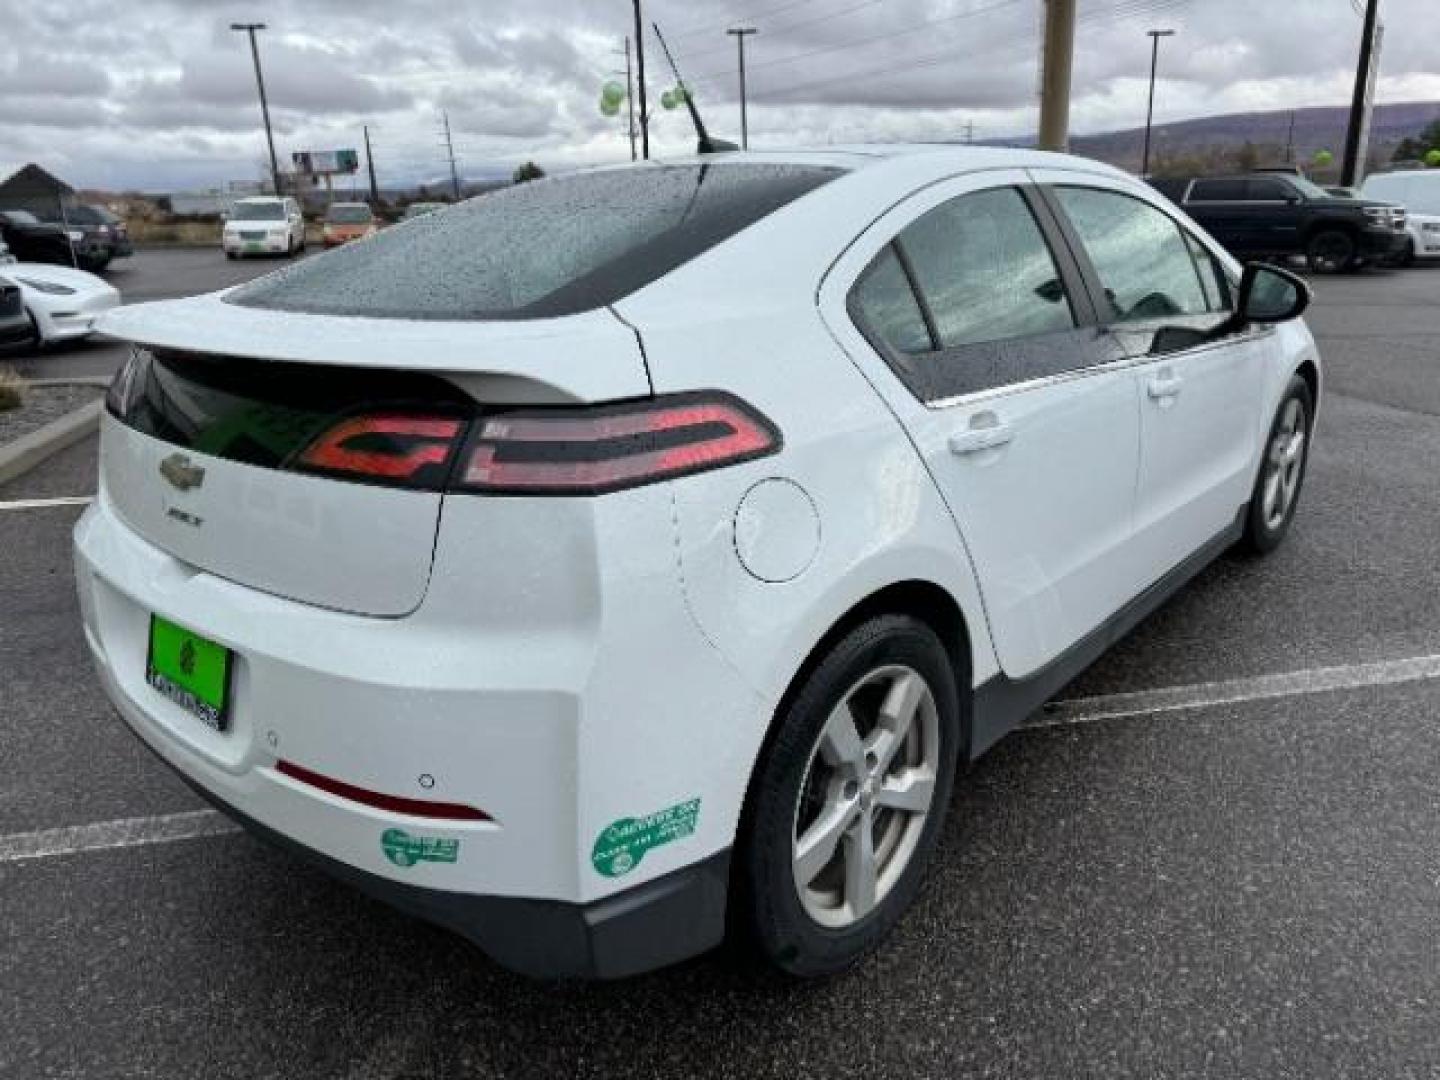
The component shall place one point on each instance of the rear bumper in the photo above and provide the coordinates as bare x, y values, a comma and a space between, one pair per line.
662, 922
538, 697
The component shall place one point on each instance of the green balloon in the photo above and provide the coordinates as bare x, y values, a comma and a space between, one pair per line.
667, 99
680, 95
609, 108
612, 92
1323, 158
1432, 158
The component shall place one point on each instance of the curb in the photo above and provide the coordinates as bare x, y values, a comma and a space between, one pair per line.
28, 451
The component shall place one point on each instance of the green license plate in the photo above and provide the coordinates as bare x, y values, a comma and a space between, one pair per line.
254, 247
190, 670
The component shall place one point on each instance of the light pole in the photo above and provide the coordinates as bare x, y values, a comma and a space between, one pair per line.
250, 29
640, 78
1155, 36
740, 33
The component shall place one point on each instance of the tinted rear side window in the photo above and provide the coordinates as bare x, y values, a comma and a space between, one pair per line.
1223, 189
547, 248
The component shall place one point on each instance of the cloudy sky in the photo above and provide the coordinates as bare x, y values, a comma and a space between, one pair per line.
160, 94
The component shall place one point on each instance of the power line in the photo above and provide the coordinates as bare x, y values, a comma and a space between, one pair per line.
785, 27
860, 43
710, 28
1123, 9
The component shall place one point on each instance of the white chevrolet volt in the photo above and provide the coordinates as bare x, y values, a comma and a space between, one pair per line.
628, 556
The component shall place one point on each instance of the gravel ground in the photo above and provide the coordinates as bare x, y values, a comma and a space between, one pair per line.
42, 405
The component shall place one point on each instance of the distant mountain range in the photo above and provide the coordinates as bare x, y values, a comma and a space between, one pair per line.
1315, 129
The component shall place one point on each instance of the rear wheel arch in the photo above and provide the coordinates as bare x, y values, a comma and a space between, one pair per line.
926, 601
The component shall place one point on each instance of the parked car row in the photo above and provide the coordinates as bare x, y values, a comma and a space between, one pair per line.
85, 237
270, 225
1394, 218
42, 304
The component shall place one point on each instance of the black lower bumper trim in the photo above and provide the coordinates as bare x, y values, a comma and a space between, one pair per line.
663, 921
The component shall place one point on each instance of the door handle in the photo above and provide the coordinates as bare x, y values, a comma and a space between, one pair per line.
986, 432
1165, 386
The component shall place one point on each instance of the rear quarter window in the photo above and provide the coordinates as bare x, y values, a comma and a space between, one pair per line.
543, 249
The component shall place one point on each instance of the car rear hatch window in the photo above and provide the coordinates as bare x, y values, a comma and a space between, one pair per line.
544, 249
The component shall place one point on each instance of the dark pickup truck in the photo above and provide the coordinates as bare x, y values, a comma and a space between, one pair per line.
1276, 214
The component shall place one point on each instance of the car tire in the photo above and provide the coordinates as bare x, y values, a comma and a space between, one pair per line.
1407, 257
1282, 470
1330, 251
231, 255
819, 788
36, 340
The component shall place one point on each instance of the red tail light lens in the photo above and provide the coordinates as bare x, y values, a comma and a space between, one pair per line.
409, 451
590, 451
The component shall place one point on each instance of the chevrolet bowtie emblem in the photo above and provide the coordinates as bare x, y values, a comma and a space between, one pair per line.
181, 473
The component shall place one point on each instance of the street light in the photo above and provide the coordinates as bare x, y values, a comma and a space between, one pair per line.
1155, 36
740, 33
250, 29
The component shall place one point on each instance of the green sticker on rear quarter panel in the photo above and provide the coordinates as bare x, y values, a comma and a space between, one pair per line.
622, 844
402, 849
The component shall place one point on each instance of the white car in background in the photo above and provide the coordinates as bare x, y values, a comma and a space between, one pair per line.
1418, 190
633, 553
263, 226
62, 303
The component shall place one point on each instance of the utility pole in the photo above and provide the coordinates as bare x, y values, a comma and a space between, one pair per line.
450, 153
250, 29
630, 98
640, 73
1361, 103
1055, 71
370, 163
740, 33
969, 132
1155, 36
1290, 141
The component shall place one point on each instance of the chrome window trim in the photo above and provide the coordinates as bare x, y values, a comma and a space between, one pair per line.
1110, 367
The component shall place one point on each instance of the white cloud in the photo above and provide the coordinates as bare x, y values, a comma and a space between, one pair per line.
162, 93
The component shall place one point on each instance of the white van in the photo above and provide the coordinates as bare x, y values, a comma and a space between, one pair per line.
1418, 191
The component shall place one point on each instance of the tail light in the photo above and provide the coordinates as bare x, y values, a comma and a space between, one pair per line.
585, 450
388, 448
593, 450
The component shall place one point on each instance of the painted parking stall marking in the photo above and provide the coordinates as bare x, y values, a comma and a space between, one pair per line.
109, 835
45, 504
1235, 691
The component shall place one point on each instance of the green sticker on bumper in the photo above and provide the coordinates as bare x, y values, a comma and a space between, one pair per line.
402, 849
622, 844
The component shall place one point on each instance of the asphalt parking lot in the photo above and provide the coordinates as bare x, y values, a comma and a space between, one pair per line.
1236, 878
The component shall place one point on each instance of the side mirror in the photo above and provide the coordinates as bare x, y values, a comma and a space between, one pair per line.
1271, 295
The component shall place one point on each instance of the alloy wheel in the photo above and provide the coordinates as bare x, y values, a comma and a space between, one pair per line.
1284, 463
868, 790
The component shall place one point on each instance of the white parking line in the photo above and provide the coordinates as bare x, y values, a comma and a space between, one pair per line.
197, 824
107, 835
44, 504
1236, 691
